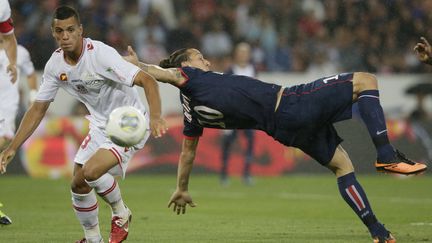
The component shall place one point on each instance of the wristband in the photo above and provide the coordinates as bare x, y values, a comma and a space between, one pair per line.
32, 95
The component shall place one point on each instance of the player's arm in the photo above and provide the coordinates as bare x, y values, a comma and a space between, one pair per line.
10, 44
29, 123
424, 51
166, 75
181, 196
151, 89
32, 84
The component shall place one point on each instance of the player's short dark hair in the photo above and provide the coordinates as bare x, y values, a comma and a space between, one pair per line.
175, 59
65, 12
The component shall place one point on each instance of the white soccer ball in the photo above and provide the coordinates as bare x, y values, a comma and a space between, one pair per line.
126, 126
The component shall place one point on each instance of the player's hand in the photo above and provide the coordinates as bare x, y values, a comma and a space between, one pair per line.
179, 200
5, 158
158, 127
424, 51
132, 57
12, 71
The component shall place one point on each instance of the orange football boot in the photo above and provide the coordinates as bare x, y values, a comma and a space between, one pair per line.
400, 165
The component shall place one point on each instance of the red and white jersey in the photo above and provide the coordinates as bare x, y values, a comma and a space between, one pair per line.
24, 66
101, 79
6, 26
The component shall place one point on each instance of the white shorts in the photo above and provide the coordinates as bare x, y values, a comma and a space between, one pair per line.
8, 111
96, 139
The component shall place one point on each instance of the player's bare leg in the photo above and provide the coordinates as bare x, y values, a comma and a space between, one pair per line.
96, 176
365, 92
354, 195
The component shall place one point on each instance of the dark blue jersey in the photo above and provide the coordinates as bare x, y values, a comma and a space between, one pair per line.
226, 101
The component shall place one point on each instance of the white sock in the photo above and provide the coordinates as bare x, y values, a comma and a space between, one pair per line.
107, 188
86, 209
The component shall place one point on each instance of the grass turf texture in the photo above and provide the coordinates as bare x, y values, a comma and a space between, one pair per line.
295, 208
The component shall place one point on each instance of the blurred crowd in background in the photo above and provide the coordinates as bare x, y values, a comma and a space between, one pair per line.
322, 36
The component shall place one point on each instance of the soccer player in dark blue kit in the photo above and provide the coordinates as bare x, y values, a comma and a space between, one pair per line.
301, 116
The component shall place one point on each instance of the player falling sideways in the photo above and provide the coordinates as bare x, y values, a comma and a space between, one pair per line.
301, 116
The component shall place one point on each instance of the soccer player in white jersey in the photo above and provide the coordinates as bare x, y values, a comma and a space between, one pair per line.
10, 42
9, 93
100, 78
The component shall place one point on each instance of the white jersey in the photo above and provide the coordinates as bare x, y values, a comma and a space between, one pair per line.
24, 66
9, 94
101, 79
6, 26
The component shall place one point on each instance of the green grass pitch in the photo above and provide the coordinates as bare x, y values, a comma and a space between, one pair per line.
294, 208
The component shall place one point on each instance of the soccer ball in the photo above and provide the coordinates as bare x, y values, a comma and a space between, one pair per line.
126, 126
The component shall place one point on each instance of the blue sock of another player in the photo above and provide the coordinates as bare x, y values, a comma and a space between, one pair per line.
373, 116
353, 194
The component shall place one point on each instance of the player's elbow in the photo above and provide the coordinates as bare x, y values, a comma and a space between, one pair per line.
365, 81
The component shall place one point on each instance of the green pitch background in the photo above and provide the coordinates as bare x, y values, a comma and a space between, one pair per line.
295, 208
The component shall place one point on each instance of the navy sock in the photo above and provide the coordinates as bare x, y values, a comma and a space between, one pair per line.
372, 115
353, 194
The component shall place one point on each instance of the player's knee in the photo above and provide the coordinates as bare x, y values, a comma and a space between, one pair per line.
364, 81
90, 173
80, 186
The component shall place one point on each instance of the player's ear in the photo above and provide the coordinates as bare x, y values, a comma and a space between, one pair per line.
185, 64
80, 30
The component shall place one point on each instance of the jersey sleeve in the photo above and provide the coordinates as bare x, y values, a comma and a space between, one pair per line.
6, 23
24, 61
49, 85
112, 66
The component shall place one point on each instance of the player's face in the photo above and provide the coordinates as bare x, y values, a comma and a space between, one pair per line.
68, 34
197, 60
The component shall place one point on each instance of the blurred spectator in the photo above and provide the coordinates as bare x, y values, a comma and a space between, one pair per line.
371, 35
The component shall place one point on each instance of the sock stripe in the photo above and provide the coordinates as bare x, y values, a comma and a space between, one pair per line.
109, 189
355, 197
89, 209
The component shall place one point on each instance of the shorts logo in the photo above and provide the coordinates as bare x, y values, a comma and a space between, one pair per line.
63, 77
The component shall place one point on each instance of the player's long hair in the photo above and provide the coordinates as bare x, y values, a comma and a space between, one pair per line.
175, 59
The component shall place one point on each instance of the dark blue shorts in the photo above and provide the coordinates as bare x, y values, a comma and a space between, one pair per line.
306, 113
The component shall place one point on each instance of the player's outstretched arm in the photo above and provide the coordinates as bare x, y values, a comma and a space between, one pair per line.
29, 123
180, 198
166, 75
151, 89
424, 51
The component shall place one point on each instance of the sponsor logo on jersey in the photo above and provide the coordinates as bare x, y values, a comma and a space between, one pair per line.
81, 89
92, 80
63, 77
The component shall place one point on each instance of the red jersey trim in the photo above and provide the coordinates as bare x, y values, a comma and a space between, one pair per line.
191, 138
7, 27
185, 76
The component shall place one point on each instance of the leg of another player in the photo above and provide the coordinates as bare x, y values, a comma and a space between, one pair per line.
228, 138
250, 140
105, 185
85, 206
354, 195
365, 92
